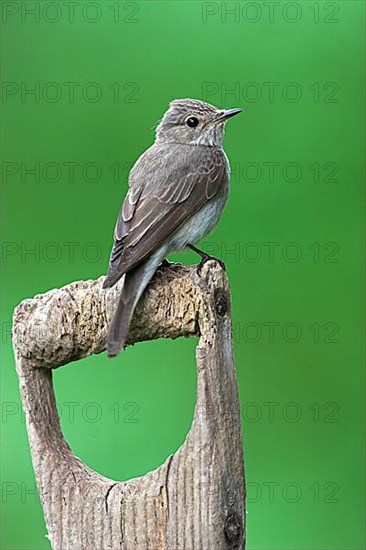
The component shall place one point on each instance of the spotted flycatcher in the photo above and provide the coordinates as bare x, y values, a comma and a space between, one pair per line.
177, 191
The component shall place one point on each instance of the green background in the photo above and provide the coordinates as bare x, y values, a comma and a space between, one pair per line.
304, 462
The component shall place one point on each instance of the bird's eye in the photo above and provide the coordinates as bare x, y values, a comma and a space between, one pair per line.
192, 122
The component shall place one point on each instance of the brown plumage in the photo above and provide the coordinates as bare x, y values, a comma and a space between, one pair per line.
177, 190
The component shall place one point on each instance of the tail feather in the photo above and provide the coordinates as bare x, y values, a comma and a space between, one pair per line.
112, 278
135, 283
118, 330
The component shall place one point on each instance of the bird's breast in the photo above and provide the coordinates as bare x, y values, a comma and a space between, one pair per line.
200, 224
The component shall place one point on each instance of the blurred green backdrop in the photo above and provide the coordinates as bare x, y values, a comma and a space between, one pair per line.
102, 73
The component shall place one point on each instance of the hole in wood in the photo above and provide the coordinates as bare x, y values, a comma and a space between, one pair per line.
123, 417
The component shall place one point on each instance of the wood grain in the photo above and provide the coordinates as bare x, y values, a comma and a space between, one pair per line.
195, 500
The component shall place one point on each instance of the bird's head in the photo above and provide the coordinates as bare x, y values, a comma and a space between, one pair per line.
194, 122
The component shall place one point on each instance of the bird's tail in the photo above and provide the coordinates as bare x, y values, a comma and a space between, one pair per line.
112, 278
135, 283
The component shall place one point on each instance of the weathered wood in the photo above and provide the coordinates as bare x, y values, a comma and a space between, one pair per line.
195, 500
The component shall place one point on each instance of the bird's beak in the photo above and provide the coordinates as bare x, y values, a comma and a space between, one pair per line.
228, 113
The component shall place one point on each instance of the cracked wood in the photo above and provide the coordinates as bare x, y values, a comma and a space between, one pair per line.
195, 500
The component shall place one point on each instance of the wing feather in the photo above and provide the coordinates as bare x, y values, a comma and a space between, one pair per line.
167, 185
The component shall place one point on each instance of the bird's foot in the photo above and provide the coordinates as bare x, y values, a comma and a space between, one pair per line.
205, 258
165, 263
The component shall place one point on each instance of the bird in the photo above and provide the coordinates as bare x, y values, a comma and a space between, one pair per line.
177, 190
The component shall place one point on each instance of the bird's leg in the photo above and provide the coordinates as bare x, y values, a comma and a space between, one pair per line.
204, 258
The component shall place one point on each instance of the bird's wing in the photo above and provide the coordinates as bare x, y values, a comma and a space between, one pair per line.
167, 186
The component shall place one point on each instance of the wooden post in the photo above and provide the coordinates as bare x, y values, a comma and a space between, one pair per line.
195, 500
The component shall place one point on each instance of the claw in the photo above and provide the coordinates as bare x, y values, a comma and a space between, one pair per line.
165, 263
205, 258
